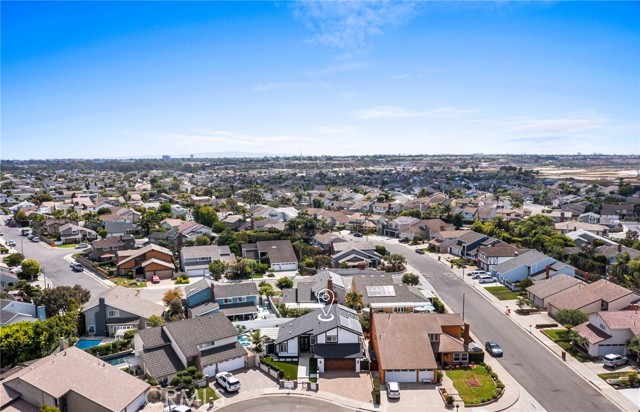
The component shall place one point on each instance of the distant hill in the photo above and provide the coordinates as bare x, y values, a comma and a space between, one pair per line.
213, 155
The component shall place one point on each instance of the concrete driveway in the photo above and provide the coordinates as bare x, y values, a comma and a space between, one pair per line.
250, 380
351, 385
413, 397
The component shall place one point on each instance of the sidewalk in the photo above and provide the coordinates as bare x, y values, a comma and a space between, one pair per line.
528, 323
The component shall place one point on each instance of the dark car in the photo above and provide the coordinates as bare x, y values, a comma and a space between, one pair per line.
357, 234
420, 251
493, 348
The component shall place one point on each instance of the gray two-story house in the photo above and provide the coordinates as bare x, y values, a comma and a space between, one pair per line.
195, 260
238, 301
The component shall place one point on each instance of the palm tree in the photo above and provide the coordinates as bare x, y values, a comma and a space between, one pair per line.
353, 300
257, 339
293, 225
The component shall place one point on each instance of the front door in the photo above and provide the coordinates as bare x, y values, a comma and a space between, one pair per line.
303, 344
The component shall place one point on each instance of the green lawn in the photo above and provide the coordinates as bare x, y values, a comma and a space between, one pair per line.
128, 283
472, 394
555, 334
502, 292
290, 369
68, 246
573, 352
208, 392
613, 375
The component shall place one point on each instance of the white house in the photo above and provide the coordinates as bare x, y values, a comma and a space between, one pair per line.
528, 264
609, 332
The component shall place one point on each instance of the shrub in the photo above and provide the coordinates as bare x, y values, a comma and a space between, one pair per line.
438, 305
376, 391
493, 375
633, 378
499, 384
191, 370
450, 400
440, 375
488, 368
261, 268
546, 325
187, 380
175, 381
271, 275
153, 382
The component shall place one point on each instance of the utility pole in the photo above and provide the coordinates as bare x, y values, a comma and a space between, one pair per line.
463, 296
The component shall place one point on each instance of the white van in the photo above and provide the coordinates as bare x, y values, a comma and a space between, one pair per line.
486, 279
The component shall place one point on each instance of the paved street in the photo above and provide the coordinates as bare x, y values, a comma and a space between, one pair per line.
56, 268
540, 372
277, 403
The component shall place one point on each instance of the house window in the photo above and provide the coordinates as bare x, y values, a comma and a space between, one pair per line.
241, 299
227, 300
461, 357
332, 338
91, 329
206, 345
203, 259
112, 313
603, 327
604, 305
313, 340
434, 337
283, 347
399, 310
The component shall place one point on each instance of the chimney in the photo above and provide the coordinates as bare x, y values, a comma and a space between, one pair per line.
63, 344
548, 269
466, 336
330, 284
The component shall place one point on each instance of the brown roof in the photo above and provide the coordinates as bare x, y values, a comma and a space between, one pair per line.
499, 250
591, 332
77, 371
410, 331
622, 319
279, 251
600, 290
142, 251
548, 287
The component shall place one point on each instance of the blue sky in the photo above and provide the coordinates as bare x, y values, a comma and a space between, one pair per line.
130, 79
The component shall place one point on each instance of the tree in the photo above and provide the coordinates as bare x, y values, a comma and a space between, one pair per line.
257, 339
457, 220
321, 261
634, 345
571, 317
266, 289
205, 215
317, 202
171, 294
175, 309
165, 207
252, 196
202, 240
103, 211
15, 259
61, 299
353, 300
410, 279
395, 262
284, 283
102, 232
30, 269
242, 269
20, 216
525, 283
217, 269
155, 320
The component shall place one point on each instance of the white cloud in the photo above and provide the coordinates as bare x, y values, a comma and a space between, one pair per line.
349, 24
554, 126
395, 112
338, 68
404, 76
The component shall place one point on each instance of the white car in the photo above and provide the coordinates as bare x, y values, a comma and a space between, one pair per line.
393, 390
477, 273
82, 246
11, 242
486, 279
229, 382
35, 239
612, 360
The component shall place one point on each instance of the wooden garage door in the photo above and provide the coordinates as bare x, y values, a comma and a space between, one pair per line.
340, 365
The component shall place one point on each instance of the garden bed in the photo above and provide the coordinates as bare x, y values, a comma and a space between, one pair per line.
567, 347
127, 282
483, 389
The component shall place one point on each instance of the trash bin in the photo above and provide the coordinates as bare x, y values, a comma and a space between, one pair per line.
564, 355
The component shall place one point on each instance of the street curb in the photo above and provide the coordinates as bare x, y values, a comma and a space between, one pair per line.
105, 282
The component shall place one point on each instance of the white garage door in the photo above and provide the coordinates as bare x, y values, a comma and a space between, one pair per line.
399, 376
231, 365
210, 370
615, 349
426, 375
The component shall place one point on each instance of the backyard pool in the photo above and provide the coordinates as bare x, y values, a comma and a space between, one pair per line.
244, 341
119, 360
87, 343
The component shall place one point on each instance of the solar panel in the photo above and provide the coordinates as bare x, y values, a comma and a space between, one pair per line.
349, 323
379, 291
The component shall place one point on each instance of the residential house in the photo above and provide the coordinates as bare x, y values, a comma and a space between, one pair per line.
491, 256
436, 225
441, 240
151, 260
601, 295
279, 254
12, 311
188, 231
590, 217
409, 347
210, 343
325, 240
544, 289
609, 332
195, 260
73, 381
620, 211
7, 278
233, 222
572, 226
466, 244
355, 254
105, 249
584, 238
486, 213
332, 337
381, 294
238, 301
118, 310
400, 225
334, 218
469, 213
307, 292
530, 264
611, 252
75, 234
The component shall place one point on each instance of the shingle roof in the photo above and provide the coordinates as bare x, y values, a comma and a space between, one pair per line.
144, 250
153, 337
548, 287
196, 287
310, 323
221, 354
401, 293
190, 333
528, 258
279, 251
213, 251
622, 319
161, 361
337, 350
231, 290
600, 290
127, 300
76, 370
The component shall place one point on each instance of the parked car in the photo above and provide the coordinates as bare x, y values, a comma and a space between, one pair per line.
30, 236
493, 348
229, 382
613, 361
393, 390
11, 242
357, 234
177, 408
477, 273
420, 251
77, 267
155, 279
486, 279
35, 239
82, 246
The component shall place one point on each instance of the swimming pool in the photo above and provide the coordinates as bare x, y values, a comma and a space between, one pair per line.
244, 341
87, 343
119, 360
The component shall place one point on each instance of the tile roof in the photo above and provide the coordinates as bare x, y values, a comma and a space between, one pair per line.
76, 370
591, 332
127, 299
622, 319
